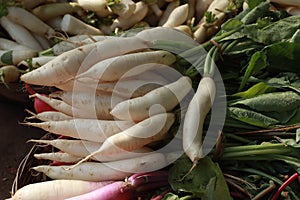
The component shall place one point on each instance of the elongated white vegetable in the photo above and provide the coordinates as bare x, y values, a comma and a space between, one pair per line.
150, 130
124, 8
287, 2
293, 10
36, 62
73, 25
114, 68
201, 8
6, 44
58, 156
102, 102
111, 48
177, 17
56, 189
86, 129
20, 34
49, 116
171, 6
81, 148
52, 10
99, 7
28, 20
13, 57
197, 110
191, 10
108, 171
167, 97
125, 23
60, 69
42, 40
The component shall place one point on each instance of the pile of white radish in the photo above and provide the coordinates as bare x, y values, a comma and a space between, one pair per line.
33, 27
107, 135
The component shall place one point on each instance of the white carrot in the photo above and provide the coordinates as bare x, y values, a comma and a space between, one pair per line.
49, 116
13, 57
56, 189
60, 69
42, 40
99, 7
171, 6
36, 62
155, 8
20, 34
73, 25
86, 129
197, 110
58, 156
292, 10
166, 97
114, 68
124, 8
125, 23
49, 11
191, 10
150, 130
108, 171
177, 17
30, 21
6, 44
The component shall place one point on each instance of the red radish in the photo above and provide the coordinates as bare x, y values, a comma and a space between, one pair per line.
39, 105
118, 190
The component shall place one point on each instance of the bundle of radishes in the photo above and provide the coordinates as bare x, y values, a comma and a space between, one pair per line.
115, 100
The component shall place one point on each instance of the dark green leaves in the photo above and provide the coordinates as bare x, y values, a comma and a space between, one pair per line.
206, 181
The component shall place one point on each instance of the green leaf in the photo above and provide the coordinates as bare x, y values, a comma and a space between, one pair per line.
3, 10
253, 3
257, 89
278, 31
283, 56
206, 181
257, 12
257, 62
275, 101
7, 57
251, 117
283, 117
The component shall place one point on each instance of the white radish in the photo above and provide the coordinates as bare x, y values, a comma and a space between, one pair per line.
287, 2
292, 10
53, 10
73, 25
56, 189
6, 44
86, 129
108, 171
197, 110
78, 148
145, 132
191, 10
125, 23
124, 8
178, 16
30, 21
111, 48
42, 40
81, 148
36, 62
163, 99
201, 8
20, 34
99, 7
60, 69
135, 63
13, 57
171, 6
49, 116
58, 156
